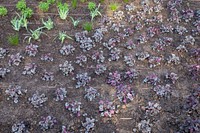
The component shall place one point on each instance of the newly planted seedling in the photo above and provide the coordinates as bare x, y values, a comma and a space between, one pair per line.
74, 3
34, 34
16, 23
3, 11
75, 22
28, 12
95, 12
114, 6
62, 36
63, 10
87, 26
48, 24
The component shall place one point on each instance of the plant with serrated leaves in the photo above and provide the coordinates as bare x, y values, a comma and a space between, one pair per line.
48, 24
163, 90
37, 100
75, 22
124, 93
14, 92
154, 61
88, 124
20, 127
60, 94
100, 68
114, 54
98, 57
47, 76
172, 77
173, 59
16, 23
91, 93
15, 59
66, 68
81, 59
63, 10
194, 71
152, 108
152, 79
129, 60
82, 79
21, 5
131, 75
47, 57
29, 69
3, 53
114, 78
142, 56
67, 49
74, 107
31, 49
47, 122
3, 72
3, 11
62, 36
107, 108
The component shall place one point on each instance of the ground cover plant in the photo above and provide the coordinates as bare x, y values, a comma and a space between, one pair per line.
99, 66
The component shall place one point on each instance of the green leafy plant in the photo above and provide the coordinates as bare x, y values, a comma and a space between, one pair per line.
114, 6
28, 12
91, 6
16, 23
63, 10
74, 3
126, 1
75, 22
95, 12
3, 11
87, 26
51, 1
21, 5
13, 39
48, 24
24, 21
62, 36
44, 6
34, 34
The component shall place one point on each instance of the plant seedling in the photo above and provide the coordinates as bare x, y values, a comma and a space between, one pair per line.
51, 1
63, 10
87, 26
34, 34
74, 3
48, 24
62, 36
3, 11
114, 6
44, 6
16, 23
75, 22
95, 12
13, 40
21, 5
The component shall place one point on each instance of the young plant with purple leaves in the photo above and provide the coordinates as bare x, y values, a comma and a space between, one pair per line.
47, 76
15, 59
82, 79
114, 78
37, 100
47, 122
74, 107
91, 93
81, 59
47, 57
31, 49
100, 68
3, 53
66, 68
67, 49
4, 72
29, 69
60, 94
163, 90
88, 124
20, 127
152, 79
114, 54
98, 57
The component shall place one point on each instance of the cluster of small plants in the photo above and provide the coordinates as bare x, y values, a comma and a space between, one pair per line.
82, 79
15, 59
98, 56
47, 76
47, 57
91, 93
14, 92
74, 107
152, 79
29, 69
20, 127
152, 108
38, 99
67, 49
163, 90
31, 49
88, 124
47, 123
100, 68
114, 78
66, 68
107, 108
3, 72
80, 60
60, 94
